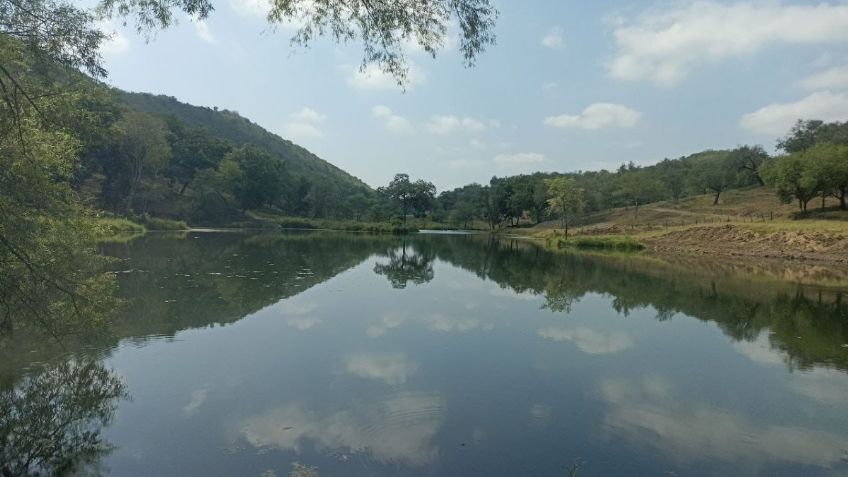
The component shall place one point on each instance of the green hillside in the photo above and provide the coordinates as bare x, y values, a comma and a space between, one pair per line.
232, 127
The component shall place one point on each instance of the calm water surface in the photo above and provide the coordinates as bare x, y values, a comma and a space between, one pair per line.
450, 356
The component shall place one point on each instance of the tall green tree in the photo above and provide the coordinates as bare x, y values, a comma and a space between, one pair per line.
714, 173
826, 165
142, 149
791, 179
255, 177
748, 159
565, 199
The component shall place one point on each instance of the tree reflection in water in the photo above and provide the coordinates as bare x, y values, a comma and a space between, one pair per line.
50, 423
407, 265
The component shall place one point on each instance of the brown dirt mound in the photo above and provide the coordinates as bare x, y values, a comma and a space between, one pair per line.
733, 240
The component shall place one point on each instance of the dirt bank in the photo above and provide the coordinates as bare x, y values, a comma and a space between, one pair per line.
812, 243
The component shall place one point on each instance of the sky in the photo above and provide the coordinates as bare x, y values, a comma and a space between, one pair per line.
570, 85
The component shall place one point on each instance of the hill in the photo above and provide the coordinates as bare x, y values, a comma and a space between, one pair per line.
747, 222
238, 130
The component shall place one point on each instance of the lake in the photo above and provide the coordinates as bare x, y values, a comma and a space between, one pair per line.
440, 355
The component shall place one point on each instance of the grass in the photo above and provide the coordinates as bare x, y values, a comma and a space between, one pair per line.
156, 223
618, 243
116, 229
302, 223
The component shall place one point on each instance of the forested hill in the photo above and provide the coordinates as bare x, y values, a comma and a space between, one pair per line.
240, 131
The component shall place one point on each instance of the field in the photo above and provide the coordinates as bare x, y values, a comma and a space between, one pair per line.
746, 223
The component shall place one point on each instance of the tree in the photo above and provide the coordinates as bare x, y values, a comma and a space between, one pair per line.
827, 166
564, 199
254, 176
638, 187
748, 159
142, 147
423, 195
714, 172
192, 150
409, 197
50, 274
383, 27
673, 176
790, 177
806, 134
400, 193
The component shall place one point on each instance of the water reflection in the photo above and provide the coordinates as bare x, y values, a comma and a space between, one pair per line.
649, 411
463, 355
407, 264
50, 422
399, 429
217, 279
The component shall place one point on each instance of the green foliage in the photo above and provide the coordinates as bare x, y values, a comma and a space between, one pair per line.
714, 172
50, 423
409, 197
565, 199
49, 270
792, 178
139, 152
806, 134
157, 223
384, 28
116, 228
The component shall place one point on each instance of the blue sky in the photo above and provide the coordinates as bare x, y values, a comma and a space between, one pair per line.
569, 86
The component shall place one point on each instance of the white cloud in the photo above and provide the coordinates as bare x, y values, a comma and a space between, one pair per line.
436, 322
256, 8
448, 124
588, 340
303, 130
116, 43
203, 32
302, 323
664, 45
407, 426
519, 162
373, 78
835, 78
777, 118
597, 116
821, 384
304, 124
198, 398
553, 39
649, 412
446, 324
308, 115
393, 122
550, 86
390, 368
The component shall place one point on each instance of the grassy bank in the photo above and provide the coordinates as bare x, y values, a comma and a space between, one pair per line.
116, 229
746, 223
301, 223
556, 240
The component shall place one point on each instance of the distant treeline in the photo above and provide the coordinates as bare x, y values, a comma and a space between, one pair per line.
814, 164
154, 155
